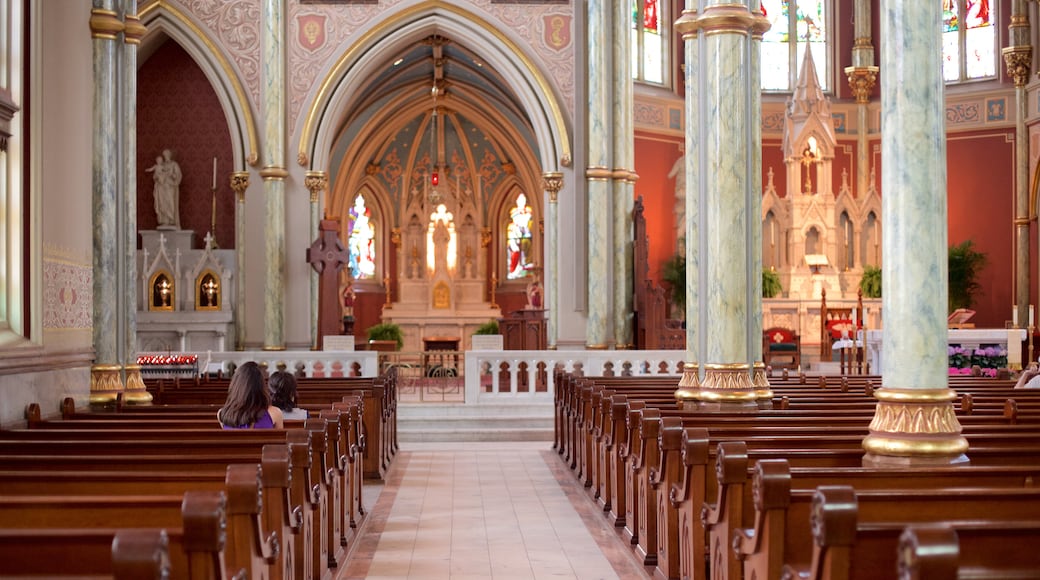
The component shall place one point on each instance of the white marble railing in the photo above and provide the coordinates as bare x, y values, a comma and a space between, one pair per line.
520, 375
513, 375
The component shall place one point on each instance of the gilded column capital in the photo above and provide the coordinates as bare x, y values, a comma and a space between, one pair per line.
861, 81
1018, 59
395, 237
316, 182
273, 173
732, 18
133, 30
239, 184
105, 24
552, 182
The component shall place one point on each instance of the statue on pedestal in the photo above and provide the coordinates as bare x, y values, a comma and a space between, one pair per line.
167, 176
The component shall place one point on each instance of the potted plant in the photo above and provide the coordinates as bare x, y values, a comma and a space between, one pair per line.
386, 332
771, 287
674, 274
965, 265
489, 327
870, 283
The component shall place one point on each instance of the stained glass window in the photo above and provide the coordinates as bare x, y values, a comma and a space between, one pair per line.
969, 40
648, 45
782, 51
519, 258
361, 240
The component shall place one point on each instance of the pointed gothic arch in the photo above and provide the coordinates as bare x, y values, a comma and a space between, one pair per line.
164, 20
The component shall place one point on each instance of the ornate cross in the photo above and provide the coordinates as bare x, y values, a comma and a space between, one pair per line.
327, 256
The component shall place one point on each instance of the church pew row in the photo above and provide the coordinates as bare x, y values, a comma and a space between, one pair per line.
737, 525
379, 408
978, 550
192, 549
837, 532
316, 492
321, 484
623, 462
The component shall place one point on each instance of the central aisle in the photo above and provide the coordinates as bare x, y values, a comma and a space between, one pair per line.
498, 511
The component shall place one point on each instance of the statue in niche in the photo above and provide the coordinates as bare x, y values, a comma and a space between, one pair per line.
467, 270
166, 174
678, 171
413, 265
440, 242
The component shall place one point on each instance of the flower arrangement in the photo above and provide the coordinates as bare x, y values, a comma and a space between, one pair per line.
962, 360
990, 357
167, 359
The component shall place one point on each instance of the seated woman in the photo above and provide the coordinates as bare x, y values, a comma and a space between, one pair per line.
248, 404
1030, 378
283, 395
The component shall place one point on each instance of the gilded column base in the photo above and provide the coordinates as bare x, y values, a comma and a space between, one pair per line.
726, 387
914, 427
106, 382
135, 393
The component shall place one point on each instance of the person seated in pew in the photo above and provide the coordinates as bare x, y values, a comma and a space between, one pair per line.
1030, 378
283, 395
248, 404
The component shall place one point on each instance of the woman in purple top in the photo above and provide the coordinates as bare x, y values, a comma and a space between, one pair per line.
248, 404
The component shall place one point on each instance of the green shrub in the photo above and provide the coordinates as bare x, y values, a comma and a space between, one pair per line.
489, 327
386, 331
965, 265
870, 283
771, 287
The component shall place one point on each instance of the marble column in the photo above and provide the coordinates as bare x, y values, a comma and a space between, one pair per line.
624, 176
552, 183
723, 215
106, 373
239, 184
598, 175
273, 171
132, 34
1018, 57
862, 76
914, 422
316, 182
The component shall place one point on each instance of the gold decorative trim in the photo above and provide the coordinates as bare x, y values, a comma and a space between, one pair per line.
598, 173
760, 380
336, 73
1017, 60
245, 105
689, 382
273, 348
862, 42
135, 393
625, 175
719, 18
725, 383
105, 24
915, 423
133, 30
861, 81
552, 182
316, 182
105, 384
239, 184
1022, 221
595, 347
273, 172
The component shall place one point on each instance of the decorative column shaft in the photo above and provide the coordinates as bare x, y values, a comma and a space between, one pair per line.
106, 374
239, 184
914, 421
598, 174
552, 183
132, 34
862, 76
273, 172
1018, 57
723, 221
624, 176
316, 182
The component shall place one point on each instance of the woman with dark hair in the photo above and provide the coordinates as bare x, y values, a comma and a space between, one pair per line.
248, 404
283, 395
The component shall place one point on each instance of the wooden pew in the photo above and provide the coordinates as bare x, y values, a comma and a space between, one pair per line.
949, 551
78, 554
193, 549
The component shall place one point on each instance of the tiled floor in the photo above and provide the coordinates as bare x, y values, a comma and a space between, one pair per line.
499, 511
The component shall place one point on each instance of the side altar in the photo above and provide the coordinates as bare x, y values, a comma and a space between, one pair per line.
969, 338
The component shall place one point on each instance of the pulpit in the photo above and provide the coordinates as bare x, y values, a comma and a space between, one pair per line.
524, 330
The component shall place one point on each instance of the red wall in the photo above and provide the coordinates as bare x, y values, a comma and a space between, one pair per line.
980, 188
178, 110
654, 158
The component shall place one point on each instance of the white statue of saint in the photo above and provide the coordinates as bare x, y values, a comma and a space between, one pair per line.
167, 176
